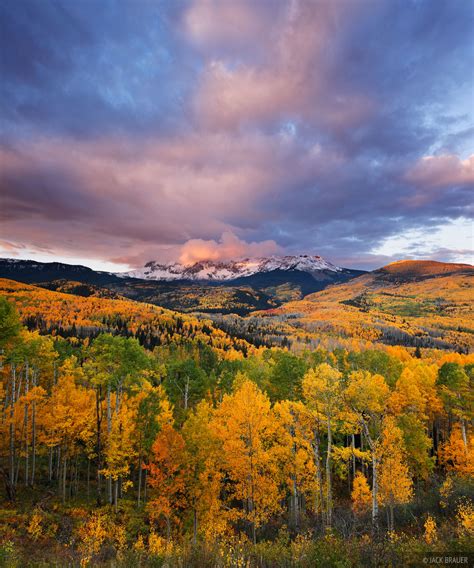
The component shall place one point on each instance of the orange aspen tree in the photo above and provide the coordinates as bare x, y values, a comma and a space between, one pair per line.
153, 411
454, 455
167, 476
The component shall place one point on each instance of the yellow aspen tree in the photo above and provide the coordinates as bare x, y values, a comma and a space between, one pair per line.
322, 391
366, 396
120, 448
361, 494
245, 424
457, 392
416, 402
205, 474
68, 417
295, 453
42, 360
430, 534
396, 485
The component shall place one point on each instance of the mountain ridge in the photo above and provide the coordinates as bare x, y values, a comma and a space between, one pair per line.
262, 284
222, 271
32, 271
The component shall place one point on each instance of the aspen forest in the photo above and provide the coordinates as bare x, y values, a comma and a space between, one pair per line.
191, 453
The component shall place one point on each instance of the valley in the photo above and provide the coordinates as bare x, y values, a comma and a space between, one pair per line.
412, 303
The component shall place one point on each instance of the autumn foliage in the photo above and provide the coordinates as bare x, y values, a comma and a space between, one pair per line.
208, 444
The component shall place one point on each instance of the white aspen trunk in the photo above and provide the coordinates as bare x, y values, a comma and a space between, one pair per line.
50, 464
116, 485
375, 487
353, 457
33, 434
25, 424
12, 434
296, 510
64, 477
328, 475
109, 428
195, 526
58, 462
186, 393
319, 477
99, 443
145, 485
464, 435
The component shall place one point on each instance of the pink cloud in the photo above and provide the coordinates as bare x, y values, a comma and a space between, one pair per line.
228, 247
444, 170
11, 249
214, 23
291, 80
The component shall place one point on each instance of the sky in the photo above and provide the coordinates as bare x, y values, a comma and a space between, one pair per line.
172, 130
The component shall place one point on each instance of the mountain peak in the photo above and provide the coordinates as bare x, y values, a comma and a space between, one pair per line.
232, 269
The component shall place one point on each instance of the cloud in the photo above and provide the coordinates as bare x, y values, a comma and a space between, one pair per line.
135, 202
444, 170
90, 193
134, 132
443, 179
212, 24
12, 249
228, 247
292, 80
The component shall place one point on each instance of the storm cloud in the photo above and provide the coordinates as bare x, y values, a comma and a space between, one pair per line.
175, 129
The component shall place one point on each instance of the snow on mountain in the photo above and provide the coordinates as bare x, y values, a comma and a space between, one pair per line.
223, 271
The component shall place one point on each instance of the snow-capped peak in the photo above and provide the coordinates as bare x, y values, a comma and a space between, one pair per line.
230, 270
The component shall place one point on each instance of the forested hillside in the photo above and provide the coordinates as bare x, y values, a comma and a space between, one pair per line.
412, 303
84, 317
199, 449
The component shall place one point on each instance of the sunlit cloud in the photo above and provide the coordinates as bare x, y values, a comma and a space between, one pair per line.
228, 247
443, 170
